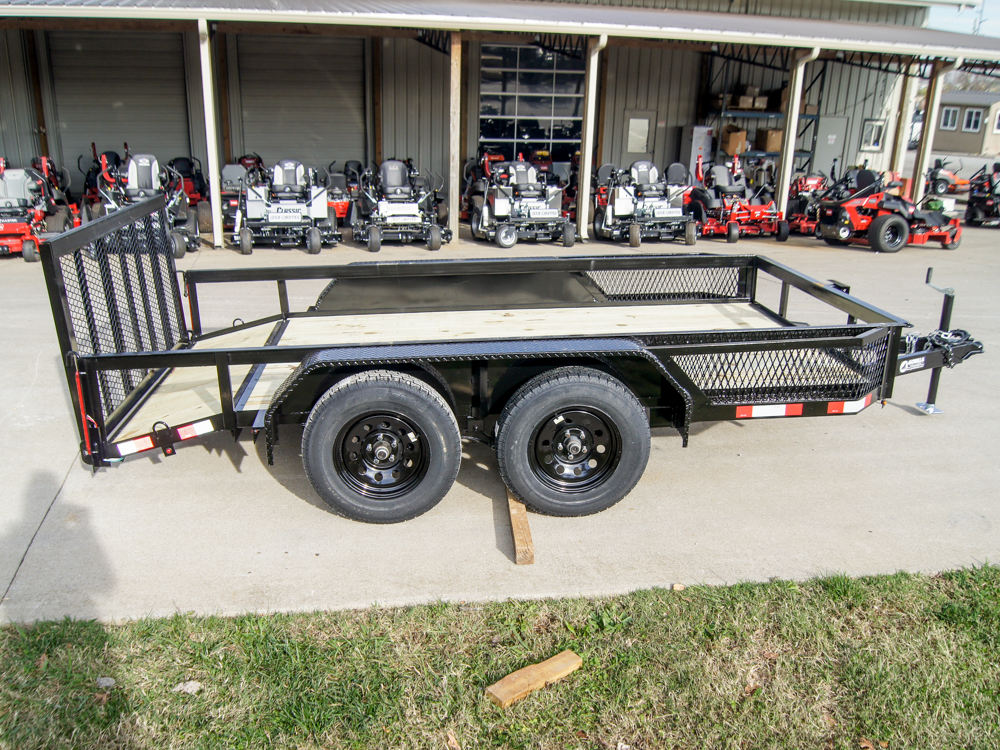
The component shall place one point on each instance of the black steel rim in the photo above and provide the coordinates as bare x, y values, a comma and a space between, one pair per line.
892, 235
381, 455
575, 449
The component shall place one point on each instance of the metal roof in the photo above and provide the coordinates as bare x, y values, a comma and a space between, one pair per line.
970, 98
520, 16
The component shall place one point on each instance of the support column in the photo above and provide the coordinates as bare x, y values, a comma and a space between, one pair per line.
786, 164
455, 135
930, 122
594, 47
211, 129
904, 120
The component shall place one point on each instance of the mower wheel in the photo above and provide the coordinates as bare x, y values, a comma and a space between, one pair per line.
940, 187
691, 233
97, 210
179, 245
699, 212
192, 226
888, 233
434, 237
60, 221
952, 245
246, 241
634, 235
782, 231
974, 216
568, 235
442, 213
600, 231
204, 210
374, 240
314, 241
29, 251
732, 232
506, 236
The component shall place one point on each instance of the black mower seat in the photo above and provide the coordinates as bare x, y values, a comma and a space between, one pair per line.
604, 173
337, 182
183, 166
724, 183
931, 218
394, 177
288, 179
866, 178
678, 174
143, 174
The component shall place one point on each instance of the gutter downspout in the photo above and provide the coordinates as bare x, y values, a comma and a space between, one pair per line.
786, 166
594, 47
930, 125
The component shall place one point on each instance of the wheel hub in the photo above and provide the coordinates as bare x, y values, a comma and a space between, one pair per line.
381, 455
575, 449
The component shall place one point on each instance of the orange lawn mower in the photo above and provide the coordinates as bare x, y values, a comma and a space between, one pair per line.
727, 206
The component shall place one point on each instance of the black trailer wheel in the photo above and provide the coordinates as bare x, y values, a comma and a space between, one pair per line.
179, 245
434, 237
374, 239
204, 211
691, 233
940, 187
572, 441
506, 236
974, 216
568, 235
783, 231
888, 233
634, 235
246, 241
314, 241
381, 447
732, 232
29, 251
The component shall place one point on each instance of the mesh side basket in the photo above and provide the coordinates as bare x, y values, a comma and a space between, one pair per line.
669, 284
788, 375
122, 295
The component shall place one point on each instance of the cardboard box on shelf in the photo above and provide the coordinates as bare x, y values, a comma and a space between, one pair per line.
751, 91
733, 140
760, 102
719, 102
743, 102
809, 109
768, 139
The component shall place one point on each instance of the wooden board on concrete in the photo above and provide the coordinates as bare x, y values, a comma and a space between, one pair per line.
524, 548
517, 685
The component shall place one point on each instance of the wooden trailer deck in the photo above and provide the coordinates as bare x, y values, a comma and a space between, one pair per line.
190, 394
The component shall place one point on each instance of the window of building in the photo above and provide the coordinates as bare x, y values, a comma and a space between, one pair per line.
530, 100
996, 125
949, 118
872, 135
973, 119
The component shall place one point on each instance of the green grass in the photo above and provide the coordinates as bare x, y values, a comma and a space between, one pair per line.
906, 660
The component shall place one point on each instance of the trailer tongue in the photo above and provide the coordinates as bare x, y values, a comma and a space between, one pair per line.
561, 364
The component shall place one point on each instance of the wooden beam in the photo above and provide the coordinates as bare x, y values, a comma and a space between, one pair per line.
517, 685
222, 73
524, 548
455, 133
31, 52
377, 98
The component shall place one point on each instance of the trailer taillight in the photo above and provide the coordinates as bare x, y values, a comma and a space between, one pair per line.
134, 446
194, 430
848, 407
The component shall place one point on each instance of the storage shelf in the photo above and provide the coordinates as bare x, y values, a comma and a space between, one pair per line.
756, 114
758, 154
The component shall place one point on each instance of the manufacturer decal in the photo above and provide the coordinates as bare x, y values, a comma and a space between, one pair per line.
912, 364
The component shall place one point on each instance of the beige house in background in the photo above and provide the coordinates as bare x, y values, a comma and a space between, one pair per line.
969, 123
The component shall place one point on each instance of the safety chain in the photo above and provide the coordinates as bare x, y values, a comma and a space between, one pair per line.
946, 341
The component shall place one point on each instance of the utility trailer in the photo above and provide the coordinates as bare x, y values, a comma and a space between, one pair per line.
561, 364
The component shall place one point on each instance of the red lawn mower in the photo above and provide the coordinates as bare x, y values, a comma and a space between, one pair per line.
91, 202
62, 211
338, 195
22, 211
886, 222
195, 187
942, 181
803, 202
477, 177
726, 205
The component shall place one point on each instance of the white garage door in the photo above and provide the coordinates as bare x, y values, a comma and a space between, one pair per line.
112, 88
303, 99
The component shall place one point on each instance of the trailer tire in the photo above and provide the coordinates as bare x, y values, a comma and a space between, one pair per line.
506, 236
732, 232
783, 231
603, 414
205, 221
179, 245
691, 233
434, 238
29, 251
568, 235
314, 241
394, 487
374, 240
634, 235
246, 241
940, 187
888, 233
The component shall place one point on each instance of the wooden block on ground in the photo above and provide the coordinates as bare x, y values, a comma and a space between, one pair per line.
524, 548
518, 684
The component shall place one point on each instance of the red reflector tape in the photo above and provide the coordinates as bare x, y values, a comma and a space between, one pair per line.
134, 446
194, 430
848, 407
769, 410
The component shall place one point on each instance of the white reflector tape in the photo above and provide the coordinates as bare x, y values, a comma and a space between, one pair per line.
193, 430
134, 446
769, 410
848, 407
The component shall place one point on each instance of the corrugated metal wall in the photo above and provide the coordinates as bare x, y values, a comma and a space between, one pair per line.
663, 80
18, 134
112, 88
415, 104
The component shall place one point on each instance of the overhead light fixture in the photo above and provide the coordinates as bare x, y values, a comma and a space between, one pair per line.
840, 54
715, 47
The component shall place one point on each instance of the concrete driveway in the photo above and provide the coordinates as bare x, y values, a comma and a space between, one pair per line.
214, 529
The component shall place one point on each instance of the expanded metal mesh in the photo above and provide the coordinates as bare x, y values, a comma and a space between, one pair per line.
123, 297
788, 375
669, 283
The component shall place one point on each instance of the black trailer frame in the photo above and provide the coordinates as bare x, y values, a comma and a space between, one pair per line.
122, 329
